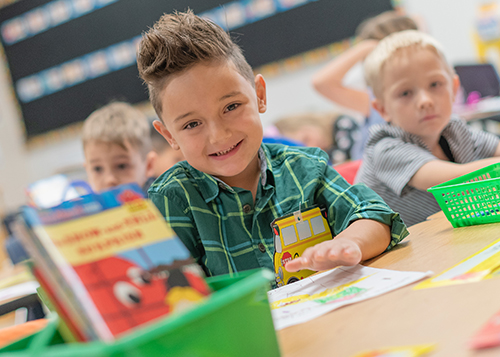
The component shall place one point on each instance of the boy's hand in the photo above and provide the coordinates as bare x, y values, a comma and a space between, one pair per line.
327, 255
362, 240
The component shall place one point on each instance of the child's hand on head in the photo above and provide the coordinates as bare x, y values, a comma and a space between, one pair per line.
327, 255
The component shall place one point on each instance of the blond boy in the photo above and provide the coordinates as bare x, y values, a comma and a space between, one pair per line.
117, 147
421, 144
222, 200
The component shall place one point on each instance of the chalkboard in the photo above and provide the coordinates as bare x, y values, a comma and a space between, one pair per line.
69, 57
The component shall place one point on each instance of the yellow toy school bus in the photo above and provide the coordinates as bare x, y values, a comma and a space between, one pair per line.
294, 233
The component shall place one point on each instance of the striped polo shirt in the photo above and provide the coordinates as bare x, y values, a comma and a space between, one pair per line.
226, 231
392, 156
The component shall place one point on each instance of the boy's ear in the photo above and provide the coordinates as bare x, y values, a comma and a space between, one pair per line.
150, 163
379, 107
260, 90
162, 129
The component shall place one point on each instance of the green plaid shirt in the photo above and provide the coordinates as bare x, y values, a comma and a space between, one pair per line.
226, 232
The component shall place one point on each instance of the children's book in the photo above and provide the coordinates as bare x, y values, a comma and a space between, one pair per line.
110, 263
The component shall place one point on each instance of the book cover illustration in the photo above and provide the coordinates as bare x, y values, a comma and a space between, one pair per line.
123, 263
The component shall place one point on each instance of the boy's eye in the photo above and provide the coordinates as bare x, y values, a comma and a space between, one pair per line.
97, 169
405, 93
192, 125
122, 166
435, 84
232, 107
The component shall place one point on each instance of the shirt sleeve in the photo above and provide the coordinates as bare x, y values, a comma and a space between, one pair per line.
395, 162
179, 216
485, 144
347, 204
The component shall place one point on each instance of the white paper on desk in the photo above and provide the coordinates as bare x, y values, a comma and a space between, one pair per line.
19, 290
318, 294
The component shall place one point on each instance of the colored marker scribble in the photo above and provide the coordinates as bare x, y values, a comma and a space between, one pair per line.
343, 295
340, 293
471, 276
406, 351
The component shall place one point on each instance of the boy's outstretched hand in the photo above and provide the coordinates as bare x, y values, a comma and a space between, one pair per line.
327, 255
362, 240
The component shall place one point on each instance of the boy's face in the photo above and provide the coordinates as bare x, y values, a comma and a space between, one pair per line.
210, 113
109, 165
418, 93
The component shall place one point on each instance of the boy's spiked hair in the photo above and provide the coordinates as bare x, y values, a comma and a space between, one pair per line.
177, 42
118, 123
387, 48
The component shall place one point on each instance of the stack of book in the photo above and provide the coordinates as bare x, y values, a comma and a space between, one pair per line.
109, 263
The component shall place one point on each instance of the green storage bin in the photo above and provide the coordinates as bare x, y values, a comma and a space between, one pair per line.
471, 199
235, 321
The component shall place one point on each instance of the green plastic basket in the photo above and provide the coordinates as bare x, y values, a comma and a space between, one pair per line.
471, 199
235, 321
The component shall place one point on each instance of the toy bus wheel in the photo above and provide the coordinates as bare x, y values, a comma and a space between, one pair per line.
292, 280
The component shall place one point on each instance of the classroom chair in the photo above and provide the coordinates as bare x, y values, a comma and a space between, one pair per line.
348, 170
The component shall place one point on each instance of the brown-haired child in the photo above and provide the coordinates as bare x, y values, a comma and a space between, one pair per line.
221, 201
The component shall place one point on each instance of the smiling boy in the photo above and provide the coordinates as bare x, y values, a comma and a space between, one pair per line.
421, 145
221, 201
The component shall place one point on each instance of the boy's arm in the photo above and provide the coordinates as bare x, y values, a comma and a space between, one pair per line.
363, 239
328, 81
438, 171
362, 223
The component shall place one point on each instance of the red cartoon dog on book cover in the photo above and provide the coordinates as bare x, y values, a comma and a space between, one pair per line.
128, 295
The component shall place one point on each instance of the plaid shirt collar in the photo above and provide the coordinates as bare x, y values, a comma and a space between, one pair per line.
210, 185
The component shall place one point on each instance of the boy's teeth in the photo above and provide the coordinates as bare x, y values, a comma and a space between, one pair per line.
225, 151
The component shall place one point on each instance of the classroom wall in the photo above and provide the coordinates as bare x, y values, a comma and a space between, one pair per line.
450, 21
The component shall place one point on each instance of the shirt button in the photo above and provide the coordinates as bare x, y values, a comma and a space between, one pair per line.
247, 208
262, 247
221, 185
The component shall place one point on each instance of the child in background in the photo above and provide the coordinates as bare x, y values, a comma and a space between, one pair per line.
329, 81
421, 144
165, 156
333, 133
221, 201
117, 147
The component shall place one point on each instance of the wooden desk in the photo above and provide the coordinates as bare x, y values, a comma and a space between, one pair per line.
447, 316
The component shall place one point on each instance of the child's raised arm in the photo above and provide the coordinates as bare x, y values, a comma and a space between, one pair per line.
328, 81
363, 239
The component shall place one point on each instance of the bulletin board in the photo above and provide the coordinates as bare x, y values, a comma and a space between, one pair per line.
67, 58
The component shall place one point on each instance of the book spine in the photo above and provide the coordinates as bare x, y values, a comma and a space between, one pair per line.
67, 328
60, 289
